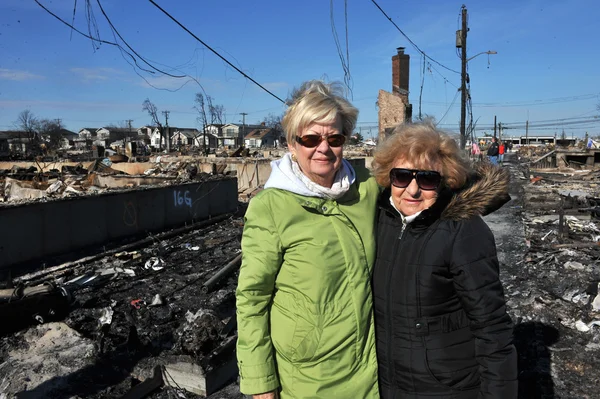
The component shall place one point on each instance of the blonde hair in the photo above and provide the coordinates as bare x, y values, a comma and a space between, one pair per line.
318, 102
424, 146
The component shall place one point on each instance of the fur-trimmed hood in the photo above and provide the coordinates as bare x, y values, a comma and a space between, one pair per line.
485, 191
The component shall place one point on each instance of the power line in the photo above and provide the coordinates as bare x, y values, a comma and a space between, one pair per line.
541, 102
528, 102
409, 40
130, 48
449, 108
211, 49
344, 60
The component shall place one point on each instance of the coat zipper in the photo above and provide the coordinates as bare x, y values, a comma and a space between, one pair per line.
389, 307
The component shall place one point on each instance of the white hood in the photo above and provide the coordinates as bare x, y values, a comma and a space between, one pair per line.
283, 177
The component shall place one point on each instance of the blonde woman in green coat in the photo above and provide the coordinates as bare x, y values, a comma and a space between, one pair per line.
304, 307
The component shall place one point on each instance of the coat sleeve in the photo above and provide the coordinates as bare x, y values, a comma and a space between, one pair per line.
475, 270
261, 260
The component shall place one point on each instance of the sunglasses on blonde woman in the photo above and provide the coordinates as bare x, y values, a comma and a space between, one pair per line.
313, 140
426, 179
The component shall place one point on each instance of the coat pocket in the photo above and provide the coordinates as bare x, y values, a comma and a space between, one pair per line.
450, 359
294, 338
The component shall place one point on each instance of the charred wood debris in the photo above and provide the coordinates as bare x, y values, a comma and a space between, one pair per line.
155, 318
42, 183
552, 285
152, 318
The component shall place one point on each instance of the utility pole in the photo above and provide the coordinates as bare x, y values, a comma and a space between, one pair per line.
527, 132
499, 131
168, 139
243, 126
463, 78
495, 125
129, 125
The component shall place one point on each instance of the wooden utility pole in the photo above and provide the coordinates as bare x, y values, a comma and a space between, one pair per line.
243, 127
463, 78
168, 138
129, 126
499, 131
495, 123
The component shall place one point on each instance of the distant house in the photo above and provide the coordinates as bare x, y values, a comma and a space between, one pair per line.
145, 133
184, 136
156, 140
265, 137
4, 136
122, 133
88, 133
233, 134
65, 140
211, 140
215, 128
8, 141
15, 141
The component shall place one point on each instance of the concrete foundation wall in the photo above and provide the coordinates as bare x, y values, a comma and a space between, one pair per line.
33, 231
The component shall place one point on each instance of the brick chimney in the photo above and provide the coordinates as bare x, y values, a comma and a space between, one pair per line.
400, 72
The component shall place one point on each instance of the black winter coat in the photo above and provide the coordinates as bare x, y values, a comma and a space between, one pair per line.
494, 150
440, 316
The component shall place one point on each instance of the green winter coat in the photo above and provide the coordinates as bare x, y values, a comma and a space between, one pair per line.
304, 307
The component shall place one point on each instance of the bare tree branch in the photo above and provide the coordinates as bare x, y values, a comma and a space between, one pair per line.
152, 111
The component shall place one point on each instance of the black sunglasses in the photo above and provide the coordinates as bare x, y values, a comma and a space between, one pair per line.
313, 140
426, 179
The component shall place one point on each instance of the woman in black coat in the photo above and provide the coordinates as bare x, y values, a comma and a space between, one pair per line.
440, 313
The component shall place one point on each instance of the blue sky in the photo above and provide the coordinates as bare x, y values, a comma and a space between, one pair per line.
546, 68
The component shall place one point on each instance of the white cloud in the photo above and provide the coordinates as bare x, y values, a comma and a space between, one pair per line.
276, 85
97, 74
69, 105
12, 74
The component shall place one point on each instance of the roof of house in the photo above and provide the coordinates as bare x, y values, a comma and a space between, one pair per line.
189, 133
121, 130
89, 129
246, 126
67, 132
9, 134
258, 133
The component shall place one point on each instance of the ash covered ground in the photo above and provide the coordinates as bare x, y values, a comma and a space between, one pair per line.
551, 281
113, 335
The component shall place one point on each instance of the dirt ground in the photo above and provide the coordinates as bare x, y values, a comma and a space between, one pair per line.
118, 330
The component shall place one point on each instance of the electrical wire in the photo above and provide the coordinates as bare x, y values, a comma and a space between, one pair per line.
73, 19
449, 108
130, 48
344, 60
211, 49
410, 41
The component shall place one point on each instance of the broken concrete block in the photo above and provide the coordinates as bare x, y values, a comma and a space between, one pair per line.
574, 265
55, 187
14, 190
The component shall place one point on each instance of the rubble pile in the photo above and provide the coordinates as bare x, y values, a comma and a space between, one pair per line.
18, 185
159, 318
553, 290
527, 152
135, 315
